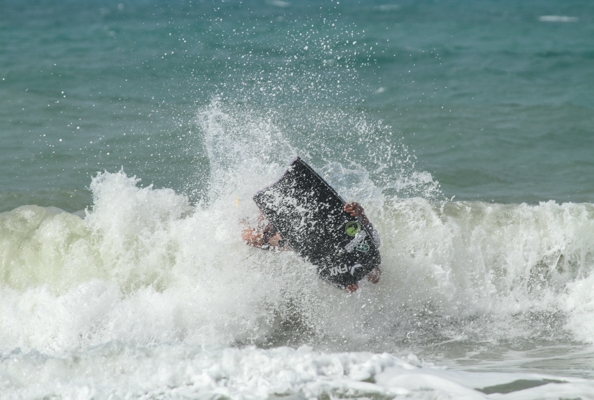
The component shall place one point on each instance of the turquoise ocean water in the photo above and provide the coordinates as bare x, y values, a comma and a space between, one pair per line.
133, 134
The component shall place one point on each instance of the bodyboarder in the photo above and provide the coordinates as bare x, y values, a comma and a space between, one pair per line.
266, 237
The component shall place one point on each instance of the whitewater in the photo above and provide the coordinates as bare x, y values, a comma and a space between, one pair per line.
148, 295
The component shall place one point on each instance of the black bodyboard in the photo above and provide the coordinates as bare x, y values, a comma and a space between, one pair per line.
309, 215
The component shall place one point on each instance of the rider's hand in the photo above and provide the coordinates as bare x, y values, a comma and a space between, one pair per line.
354, 209
374, 275
352, 288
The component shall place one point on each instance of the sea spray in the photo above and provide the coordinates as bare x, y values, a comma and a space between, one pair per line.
146, 267
137, 250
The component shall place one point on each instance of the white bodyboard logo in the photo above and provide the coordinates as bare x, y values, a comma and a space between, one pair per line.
354, 267
343, 269
359, 237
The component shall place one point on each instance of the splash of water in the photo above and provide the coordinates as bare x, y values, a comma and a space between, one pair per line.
145, 266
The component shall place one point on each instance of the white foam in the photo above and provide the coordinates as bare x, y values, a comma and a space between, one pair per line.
148, 278
557, 18
119, 371
146, 267
279, 3
143, 267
